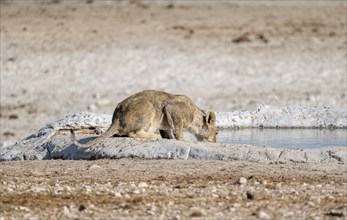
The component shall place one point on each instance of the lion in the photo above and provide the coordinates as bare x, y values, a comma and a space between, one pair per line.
158, 114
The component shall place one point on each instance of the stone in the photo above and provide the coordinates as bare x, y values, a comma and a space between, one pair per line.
23, 208
117, 194
143, 185
241, 181
335, 213
196, 212
66, 211
36, 173
264, 215
94, 166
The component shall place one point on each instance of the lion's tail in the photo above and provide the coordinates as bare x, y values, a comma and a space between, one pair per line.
110, 131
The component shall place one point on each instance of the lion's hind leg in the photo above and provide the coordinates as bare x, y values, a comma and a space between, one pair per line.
143, 134
167, 134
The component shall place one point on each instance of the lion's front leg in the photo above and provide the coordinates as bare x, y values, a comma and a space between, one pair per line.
178, 133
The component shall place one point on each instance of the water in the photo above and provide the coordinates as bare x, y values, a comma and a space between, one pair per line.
289, 138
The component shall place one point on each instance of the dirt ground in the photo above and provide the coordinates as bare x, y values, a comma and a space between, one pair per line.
61, 57
171, 189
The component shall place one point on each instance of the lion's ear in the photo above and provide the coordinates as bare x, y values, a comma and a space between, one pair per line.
211, 118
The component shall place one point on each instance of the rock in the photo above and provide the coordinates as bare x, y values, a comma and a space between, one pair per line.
215, 195
36, 173
241, 181
335, 213
249, 195
143, 185
310, 204
196, 212
264, 215
58, 189
82, 207
38, 189
117, 194
241, 39
66, 211
23, 208
94, 166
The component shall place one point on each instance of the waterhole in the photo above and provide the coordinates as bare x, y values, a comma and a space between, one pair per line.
287, 138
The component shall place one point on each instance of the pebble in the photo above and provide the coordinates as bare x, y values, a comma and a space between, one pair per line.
23, 208
68, 188
143, 185
310, 204
58, 189
95, 167
249, 195
117, 194
36, 173
38, 189
215, 195
241, 181
335, 213
88, 189
264, 215
66, 211
197, 212
82, 207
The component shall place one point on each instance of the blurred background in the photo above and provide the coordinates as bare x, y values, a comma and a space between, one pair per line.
60, 56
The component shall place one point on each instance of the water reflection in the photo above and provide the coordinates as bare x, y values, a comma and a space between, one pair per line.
302, 138
290, 138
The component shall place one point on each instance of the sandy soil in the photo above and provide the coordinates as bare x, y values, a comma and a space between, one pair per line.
61, 58
171, 189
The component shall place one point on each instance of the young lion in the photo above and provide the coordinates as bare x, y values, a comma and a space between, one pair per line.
148, 113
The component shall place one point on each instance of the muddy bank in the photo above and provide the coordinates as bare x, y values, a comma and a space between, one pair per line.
54, 142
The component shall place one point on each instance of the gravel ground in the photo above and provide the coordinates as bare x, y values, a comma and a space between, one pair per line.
171, 189
64, 58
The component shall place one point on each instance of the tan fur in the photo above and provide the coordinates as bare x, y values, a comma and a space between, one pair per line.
155, 114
